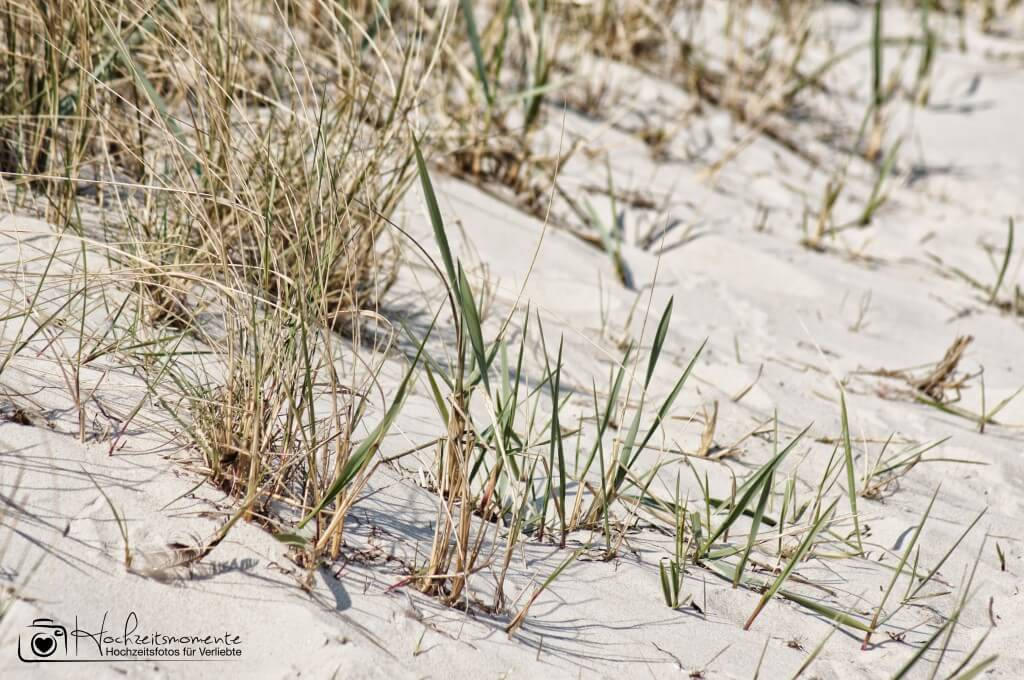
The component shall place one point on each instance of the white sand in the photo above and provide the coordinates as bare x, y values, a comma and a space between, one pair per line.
795, 316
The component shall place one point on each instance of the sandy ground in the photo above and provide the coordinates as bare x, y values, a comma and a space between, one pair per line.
788, 320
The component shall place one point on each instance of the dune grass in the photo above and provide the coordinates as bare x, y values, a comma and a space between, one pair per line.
240, 181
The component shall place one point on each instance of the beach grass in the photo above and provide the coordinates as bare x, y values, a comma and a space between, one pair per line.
238, 169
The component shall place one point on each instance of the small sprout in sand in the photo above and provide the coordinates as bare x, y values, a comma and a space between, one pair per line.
674, 573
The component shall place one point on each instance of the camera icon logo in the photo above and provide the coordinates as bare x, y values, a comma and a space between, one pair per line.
42, 640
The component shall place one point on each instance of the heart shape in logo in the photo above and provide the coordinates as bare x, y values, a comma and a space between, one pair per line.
43, 644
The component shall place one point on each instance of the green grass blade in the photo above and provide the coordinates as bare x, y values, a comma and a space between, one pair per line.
1006, 264
360, 458
877, 199
876, 57
766, 490
814, 653
801, 552
435, 391
978, 669
435, 217
928, 577
151, 92
851, 483
478, 53
629, 456
920, 651
753, 486
876, 620
659, 341
471, 319
605, 418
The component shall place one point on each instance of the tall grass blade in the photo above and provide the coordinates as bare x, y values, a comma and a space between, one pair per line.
851, 484
435, 217
766, 490
1006, 264
629, 456
801, 552
876, 619
659, 341
360, 458
751, 487
478, 53
471, 320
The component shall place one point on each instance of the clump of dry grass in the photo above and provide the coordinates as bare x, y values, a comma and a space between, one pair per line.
218, 144
236, 163
939, 382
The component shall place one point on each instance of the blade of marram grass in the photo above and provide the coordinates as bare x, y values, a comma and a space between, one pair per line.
556, 439
599, 444
766, 490
920, 651
471, 319
1001, 405
850, 479
478, 53
556, 454
759, 479
961, 605
1006, 264
605, 418
379, 17
876, 619
18, 344
877, 199
666, 405
511, 407
659, 341
814, 653
876, 57
521, 616
667, 583
801, 552
436, 220
831, 613
360, 458
815, 75
968, 658
437, 371
760, 659
122, 523
612, 245
928, 49
978, 669
672, 578
497, 58
435, 391
541, 69
151, 92
928, 577
655, 503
